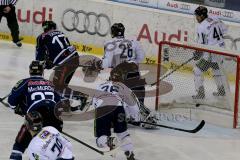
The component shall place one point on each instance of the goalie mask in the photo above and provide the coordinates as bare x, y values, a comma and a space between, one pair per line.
33, 121
48, 25
36, 68
117, 29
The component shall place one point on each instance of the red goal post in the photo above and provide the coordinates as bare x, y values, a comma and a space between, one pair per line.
182, 73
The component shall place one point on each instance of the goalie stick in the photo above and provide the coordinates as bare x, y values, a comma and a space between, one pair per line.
174, 70
195, 130
110, 153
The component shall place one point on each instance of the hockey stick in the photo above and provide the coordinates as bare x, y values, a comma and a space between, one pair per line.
195, 130
110, 153
174, 70
5, 104
1, 99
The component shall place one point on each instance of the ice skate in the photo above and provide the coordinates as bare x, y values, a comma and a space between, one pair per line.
220, 92
129, 155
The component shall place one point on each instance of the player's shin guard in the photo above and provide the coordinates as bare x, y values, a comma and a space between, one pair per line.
105, 141
21, 143
126, 144
125, 141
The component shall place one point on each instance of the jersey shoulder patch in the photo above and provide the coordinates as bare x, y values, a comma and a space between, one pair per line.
18, 84
44, 134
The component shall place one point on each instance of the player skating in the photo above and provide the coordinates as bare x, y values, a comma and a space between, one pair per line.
210, 31
33, 94
120, 50
54, 48
47, 142
125, 55
110, 106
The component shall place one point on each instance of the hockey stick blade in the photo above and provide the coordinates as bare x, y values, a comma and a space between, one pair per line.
1, 99
110, 153
195, 130
5, 104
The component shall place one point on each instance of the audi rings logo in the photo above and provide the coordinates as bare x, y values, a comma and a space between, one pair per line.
89, 22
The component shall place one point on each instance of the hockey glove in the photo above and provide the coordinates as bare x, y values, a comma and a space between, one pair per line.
18, 110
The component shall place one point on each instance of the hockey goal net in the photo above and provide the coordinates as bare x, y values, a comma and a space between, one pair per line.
205, 82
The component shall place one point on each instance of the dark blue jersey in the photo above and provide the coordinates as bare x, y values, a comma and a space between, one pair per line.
54, 46
30, 91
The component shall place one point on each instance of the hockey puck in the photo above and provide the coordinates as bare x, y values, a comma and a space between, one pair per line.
197, 105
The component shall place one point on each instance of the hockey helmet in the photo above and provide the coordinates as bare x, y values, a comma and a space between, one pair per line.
36, 68
124, 71
116, 75
201, 11
33, 121
48, 25
117, 29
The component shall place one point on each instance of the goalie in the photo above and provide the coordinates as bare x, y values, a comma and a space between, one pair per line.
210, 31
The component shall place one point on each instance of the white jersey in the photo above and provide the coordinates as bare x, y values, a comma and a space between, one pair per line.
48, 144
117, 94
119, 50
210, 32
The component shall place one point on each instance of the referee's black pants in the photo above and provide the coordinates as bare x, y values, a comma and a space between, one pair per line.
11, 22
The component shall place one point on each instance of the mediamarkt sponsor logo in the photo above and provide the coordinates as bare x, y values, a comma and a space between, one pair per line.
35, 16
145, 34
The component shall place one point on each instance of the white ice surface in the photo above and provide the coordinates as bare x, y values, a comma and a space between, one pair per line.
211, 143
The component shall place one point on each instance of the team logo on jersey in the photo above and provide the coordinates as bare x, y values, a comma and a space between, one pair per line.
44, 134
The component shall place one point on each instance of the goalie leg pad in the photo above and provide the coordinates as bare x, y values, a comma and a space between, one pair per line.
203, 65
198, 78
218, 77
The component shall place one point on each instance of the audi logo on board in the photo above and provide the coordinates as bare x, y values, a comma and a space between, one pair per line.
89, 22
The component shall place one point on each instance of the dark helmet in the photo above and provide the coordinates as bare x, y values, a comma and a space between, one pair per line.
117, 29
33, 121
48, 25
36, 68
201, 11
124, 71
116, 75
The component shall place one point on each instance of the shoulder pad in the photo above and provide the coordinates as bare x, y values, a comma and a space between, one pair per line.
18, 84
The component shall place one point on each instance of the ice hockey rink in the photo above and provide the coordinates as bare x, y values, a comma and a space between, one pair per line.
210, 143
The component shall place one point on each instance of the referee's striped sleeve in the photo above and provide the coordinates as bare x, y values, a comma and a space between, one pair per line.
8, 2
13, 2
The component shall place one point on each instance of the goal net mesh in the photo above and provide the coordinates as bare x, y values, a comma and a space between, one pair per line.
203, 81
